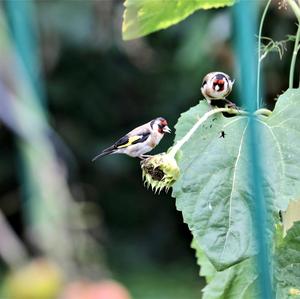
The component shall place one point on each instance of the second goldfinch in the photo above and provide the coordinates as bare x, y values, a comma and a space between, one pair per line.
216, 86
140, 140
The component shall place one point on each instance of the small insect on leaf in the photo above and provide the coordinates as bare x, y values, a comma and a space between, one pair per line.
222, 134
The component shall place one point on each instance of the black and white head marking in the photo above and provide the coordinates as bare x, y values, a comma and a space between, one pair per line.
216, 85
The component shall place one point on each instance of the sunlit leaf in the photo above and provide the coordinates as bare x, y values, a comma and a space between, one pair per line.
142, 17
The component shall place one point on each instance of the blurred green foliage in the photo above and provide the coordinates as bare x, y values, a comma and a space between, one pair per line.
99, 87
144, 17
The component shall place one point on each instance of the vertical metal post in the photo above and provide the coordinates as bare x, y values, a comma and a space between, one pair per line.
245, 17
23, 27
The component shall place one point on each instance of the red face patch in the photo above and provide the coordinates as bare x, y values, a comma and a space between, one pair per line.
220, 83
164, 122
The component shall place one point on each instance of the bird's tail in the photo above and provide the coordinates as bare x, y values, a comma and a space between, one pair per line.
106, 152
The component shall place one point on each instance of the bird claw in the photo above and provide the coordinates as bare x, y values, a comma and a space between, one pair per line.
143, 157
231, 105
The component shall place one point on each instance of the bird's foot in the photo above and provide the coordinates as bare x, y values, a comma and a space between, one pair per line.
143, 157
231, 105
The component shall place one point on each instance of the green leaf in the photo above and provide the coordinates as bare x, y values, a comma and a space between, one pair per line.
282, 134
207, 270
288, 264
142, 17
237, 282
213, 190
240, 281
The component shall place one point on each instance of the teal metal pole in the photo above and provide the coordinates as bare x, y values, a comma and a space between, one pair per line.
21, 16
245, 17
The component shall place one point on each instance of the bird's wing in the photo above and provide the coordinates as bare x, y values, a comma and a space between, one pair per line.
141, 130
128, 140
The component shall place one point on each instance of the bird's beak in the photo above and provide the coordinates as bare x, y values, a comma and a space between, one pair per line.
166, 129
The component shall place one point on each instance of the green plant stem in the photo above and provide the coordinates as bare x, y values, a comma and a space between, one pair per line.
259, 60
296, 10
294, 58
263, 111
201, 120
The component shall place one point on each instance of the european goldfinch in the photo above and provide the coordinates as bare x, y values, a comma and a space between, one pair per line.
216, 86
140, 140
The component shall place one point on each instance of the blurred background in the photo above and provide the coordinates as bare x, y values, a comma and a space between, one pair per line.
69, 87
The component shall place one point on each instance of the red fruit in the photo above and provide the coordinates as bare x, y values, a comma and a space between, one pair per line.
106, 289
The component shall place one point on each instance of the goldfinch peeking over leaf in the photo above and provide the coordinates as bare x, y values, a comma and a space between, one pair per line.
140, 140
216, 86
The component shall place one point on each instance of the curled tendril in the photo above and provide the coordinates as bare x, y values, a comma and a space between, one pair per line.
160, 171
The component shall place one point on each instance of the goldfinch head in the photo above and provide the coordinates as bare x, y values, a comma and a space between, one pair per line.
216, 85
160, 125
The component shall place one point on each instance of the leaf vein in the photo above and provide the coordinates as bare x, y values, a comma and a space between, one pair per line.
233, 188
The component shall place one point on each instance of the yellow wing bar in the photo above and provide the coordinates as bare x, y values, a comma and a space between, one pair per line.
130, 141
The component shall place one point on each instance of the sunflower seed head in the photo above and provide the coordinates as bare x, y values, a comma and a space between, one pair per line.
160, 172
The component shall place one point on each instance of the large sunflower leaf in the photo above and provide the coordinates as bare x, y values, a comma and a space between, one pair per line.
213, 190
142, 17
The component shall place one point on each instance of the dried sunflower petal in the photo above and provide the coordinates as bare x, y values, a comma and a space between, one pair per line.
160, 171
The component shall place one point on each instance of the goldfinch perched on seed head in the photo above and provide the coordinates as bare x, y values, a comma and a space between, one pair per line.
216, 86
140, 140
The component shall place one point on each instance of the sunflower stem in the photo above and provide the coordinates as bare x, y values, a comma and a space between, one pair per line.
263, 111
294, 58
296, 10
260, 58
